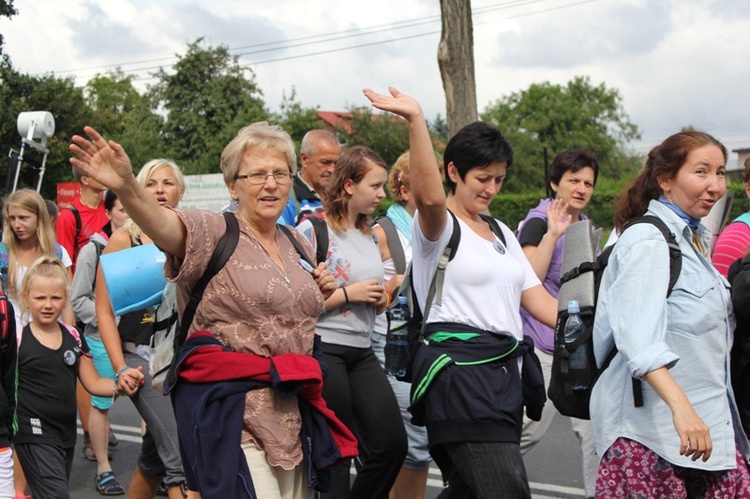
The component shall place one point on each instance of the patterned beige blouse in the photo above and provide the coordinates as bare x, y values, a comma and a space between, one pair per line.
250, 308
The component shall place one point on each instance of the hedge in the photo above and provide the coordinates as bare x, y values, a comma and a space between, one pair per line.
511, 208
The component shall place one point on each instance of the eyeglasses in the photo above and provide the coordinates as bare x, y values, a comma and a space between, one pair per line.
259, 178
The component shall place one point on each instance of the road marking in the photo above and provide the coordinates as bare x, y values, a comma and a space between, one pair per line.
434, 479
129, 429
125, 437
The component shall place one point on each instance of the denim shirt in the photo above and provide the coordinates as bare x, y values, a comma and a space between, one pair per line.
690, 333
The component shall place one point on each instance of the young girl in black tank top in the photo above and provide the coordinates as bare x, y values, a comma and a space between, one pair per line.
51, 357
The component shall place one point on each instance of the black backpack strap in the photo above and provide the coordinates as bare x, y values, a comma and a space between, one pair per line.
99, 247
79, 227
79, 223
223, 250
494, 226
675, 267
321, 237
394, 243
297, 246
675, 254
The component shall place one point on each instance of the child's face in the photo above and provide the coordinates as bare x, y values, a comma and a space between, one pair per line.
45, 299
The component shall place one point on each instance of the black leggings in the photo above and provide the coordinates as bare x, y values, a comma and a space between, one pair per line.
358, 391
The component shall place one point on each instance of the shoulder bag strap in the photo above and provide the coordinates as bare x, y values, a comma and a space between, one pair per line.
494, 227
675, 254
224, 249
320, 227
394, 243
297, 246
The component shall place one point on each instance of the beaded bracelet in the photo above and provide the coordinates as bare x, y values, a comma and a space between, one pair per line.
115, 391
388, 299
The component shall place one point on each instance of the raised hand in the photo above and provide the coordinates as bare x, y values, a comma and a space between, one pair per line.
396, 103
104, 161
558, 218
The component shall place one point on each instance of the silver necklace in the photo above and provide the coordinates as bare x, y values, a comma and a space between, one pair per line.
282, 272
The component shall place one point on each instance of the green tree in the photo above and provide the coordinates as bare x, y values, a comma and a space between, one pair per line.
123, 114
439, 129
6, 10
207, 98
558, 117
384, 133
296, 119
22, 92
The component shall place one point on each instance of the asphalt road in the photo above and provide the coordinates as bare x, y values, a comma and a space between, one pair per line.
553, 466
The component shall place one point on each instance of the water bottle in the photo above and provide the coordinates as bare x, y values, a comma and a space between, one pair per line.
396, 344
578, 359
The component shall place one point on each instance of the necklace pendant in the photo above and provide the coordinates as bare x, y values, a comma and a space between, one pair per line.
288, 281
498, 246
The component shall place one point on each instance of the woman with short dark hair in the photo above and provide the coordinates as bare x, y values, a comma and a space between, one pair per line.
467, 377
571, 179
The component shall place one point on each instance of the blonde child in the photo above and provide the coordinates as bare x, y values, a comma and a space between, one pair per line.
51, 356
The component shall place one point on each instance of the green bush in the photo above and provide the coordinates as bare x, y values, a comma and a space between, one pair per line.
511, 208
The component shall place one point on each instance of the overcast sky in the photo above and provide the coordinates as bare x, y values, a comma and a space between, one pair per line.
675, 62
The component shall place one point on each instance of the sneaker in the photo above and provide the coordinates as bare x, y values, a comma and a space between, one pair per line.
112, 439
88, 453
86, 446
107, 484
161, 490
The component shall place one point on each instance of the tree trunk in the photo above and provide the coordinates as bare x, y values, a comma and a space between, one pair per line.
456, 61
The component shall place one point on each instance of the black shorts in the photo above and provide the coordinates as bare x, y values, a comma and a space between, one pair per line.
47, 469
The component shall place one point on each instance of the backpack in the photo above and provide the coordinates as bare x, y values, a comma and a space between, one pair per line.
739, 278
98, 247
169, 334
7, 324
575, 403
417, 324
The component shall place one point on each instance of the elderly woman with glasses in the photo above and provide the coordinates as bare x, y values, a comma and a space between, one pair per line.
257, 313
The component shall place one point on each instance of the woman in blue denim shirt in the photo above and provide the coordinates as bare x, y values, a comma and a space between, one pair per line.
685, 441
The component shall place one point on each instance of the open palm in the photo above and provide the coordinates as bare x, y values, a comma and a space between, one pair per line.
396, 103
104, 161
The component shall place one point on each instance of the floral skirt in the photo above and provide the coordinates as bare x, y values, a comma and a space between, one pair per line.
631, 470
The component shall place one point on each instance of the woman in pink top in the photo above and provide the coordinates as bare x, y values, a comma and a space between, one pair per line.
734, 240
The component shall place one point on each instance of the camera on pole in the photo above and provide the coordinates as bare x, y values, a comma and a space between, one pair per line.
35, 128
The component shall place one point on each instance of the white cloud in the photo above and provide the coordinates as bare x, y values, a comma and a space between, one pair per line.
674, 62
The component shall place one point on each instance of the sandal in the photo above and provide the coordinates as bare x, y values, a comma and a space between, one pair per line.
107, 484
